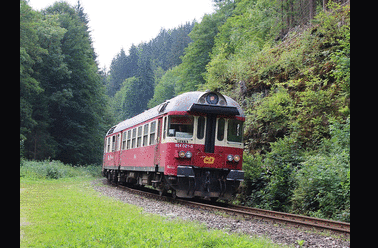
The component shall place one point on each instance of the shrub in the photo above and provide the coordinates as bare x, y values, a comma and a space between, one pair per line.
55, 169
324, 179
255, 180
271, 181
283, 160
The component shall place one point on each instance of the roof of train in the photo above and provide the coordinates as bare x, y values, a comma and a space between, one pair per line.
181, 102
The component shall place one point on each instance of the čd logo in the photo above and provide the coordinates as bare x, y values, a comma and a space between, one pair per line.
209, 160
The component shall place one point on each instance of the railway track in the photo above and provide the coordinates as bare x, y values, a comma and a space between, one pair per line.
248, 213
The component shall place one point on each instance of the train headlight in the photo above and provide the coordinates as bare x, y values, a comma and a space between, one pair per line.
230, 157
188, 154
181, 154
236, 158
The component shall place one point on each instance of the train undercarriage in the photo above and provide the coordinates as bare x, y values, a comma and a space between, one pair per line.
190, 181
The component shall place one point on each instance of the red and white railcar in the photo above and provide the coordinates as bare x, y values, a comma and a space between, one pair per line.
191, 145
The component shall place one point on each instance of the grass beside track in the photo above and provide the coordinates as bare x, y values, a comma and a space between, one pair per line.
68, 212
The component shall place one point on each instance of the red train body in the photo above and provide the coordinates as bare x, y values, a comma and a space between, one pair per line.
190, 145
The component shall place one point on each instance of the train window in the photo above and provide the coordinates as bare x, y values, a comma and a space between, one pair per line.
118, 142
128, 143
108, 141
181, 126
124, 140
220, 135
145, 134
113, 143
201, 127
139, 140
235, 130
152, 132
133, 140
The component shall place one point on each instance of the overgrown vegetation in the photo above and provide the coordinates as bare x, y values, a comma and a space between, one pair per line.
296, 98
68, 212
55, 169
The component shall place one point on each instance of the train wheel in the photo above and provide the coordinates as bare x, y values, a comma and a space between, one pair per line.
163, 192
174, 196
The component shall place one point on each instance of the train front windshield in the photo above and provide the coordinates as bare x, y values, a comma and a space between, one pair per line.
180, 126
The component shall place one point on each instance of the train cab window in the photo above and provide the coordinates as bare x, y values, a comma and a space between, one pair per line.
139, 140
201, 127
165, 126
152, 132
235, 130
128, 143
145, 134
180, 126
133, 140
220, 134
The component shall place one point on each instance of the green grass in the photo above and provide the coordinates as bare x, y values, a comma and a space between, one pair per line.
68, 212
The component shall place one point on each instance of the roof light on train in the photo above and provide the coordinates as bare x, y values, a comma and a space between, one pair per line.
212, 98
230, 157
181, 154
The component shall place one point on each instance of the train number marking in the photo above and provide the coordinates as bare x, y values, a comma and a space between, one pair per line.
182, 145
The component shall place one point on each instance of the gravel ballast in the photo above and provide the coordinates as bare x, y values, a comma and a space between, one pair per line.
288, 236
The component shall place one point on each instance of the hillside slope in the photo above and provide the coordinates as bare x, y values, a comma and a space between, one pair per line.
295, 90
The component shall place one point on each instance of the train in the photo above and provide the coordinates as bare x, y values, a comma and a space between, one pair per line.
190, 146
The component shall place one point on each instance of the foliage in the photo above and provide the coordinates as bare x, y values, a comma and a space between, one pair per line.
121, 104
54, 169
166, 87
243, 34
70, 213
63, 106
295, 93
197, 54
142, 70
270, 181
324, 178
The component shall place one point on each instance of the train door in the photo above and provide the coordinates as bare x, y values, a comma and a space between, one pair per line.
157, 155
210, 133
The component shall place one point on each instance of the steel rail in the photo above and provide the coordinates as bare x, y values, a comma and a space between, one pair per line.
253, 213
338, 226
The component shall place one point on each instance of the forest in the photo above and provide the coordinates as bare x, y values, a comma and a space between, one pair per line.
287, 63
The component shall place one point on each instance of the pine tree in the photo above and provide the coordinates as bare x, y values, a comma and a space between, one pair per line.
30, 53
70, 113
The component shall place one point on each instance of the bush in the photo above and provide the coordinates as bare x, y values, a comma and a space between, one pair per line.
55, 169
282, 161
255, 180
271, 181
324, 180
